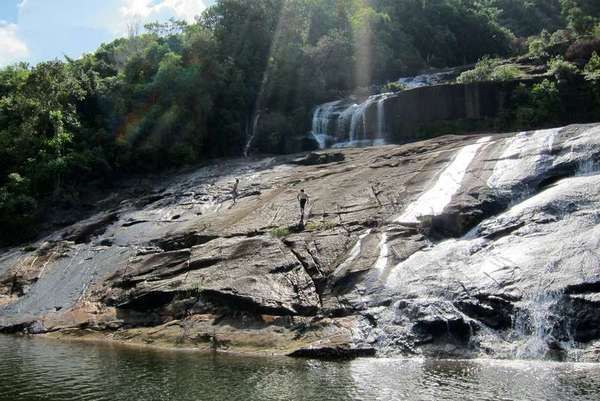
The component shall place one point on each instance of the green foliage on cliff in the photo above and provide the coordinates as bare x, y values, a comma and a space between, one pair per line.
545, 45
182, 93
488, 69
581, 15
561, 68
592, 68
536, 106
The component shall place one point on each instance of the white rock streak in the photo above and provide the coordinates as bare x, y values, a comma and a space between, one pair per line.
354, 253
384, 253
433, 201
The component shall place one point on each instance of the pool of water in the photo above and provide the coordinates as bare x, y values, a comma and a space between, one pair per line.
41, 369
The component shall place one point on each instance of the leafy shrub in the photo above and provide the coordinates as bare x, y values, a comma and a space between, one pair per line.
538, 45
561, 36
488, 69
505, 73
546, 96
540, 105
280, 232
18, 214
546, 45
560, 67
393, 87
592, 68
482, 72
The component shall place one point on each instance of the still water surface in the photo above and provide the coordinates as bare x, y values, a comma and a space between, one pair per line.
39, 369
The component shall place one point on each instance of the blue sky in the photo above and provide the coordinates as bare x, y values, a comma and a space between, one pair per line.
39, 30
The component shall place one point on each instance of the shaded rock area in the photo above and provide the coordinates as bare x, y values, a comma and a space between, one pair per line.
319, 158
460, 246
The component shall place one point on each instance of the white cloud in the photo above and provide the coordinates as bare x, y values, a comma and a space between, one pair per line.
150, 10
12, 48
53, 28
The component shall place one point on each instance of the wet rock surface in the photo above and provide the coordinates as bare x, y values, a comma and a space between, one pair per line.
460, 246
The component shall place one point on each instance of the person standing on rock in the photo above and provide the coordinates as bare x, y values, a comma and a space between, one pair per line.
234, 190
302, 198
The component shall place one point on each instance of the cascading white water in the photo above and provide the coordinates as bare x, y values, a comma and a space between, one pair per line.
535, 325
344, 119
351, 122
359, 116
320, 123
252, 134
381, 127
380, 118
426, 79
332, 120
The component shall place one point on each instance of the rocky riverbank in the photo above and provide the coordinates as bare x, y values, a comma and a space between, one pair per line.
461, 246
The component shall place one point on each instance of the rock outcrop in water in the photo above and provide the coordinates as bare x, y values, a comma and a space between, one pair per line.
459, 246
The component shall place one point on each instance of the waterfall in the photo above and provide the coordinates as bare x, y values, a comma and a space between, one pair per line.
380, 118
586, 166
252, 134
344, 118
356, 116
347, 124
539, 325
536, 325
359, 116
320, 123
381, 127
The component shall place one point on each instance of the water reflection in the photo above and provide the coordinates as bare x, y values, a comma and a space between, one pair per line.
474, 380
37, 369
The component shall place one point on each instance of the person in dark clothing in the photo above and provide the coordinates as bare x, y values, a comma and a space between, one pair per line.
234, 190
303, 199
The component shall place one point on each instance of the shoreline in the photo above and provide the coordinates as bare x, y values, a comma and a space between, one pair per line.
83, 340
165, 346
99, 340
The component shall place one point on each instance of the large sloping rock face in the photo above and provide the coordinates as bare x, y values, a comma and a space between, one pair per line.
458, 246
258, 273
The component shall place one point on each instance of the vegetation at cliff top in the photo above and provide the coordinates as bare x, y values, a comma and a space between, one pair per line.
183, 93
488, 69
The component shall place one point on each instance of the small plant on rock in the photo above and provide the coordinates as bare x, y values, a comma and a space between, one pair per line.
280, 232
394, 87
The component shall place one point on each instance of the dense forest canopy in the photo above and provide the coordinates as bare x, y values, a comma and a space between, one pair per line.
182, 93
